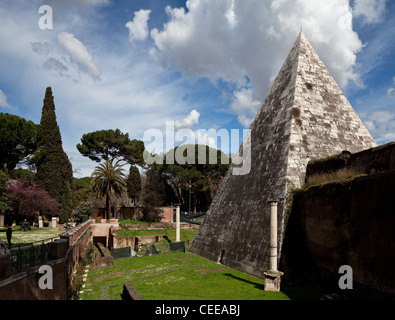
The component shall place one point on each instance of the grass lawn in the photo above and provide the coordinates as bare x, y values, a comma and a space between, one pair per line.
179, 276
35, 234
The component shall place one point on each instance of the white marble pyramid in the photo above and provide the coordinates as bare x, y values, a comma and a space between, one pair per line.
305, 116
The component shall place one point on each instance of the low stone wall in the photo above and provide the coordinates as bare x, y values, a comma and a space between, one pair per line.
102, 259
154, 226
122, 242
130, 293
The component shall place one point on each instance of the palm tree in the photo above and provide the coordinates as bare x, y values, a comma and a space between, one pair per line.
108, 179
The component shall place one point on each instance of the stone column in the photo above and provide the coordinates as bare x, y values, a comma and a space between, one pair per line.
273, 276
178, 223
273, 236
1, 221
40, 222
54, 223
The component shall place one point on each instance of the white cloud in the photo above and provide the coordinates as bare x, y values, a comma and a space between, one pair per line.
189, 121
381, 125
245, 106
3, 101
200, 136
231, 16
371, 10
204, 137
246, 42
79, 53
138, 28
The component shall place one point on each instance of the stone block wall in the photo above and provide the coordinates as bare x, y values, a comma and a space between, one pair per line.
130, 293
369, 161
123, 242
343, 224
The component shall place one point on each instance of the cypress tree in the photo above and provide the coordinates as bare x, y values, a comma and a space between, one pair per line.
133, 183
54, 170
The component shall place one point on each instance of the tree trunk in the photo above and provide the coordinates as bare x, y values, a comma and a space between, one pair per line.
108, 205
194, 201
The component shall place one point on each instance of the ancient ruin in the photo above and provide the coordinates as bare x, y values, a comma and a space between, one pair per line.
305, 116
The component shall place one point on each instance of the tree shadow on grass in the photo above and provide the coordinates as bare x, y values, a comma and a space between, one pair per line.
257, 285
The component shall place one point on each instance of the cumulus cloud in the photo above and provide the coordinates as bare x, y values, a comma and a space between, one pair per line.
138, 28
79, 53
245, 106
3, 101
372, 11
186, 133
381, 125
246, 42
189, 121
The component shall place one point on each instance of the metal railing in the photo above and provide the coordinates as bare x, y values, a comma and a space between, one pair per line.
29, 255
189, 217
37, 252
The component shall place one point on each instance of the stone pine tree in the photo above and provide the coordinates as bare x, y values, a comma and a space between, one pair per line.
54, 170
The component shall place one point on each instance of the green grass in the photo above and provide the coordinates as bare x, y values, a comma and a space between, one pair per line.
35, 234
339, 176
186, 235
125, 221
178, 276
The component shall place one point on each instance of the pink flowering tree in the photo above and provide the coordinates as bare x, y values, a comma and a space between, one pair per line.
29, 200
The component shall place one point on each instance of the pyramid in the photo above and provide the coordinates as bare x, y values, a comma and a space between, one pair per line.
305, 116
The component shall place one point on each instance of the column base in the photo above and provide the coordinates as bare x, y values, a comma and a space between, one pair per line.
273, 280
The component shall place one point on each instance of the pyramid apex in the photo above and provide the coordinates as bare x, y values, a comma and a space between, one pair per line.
301, 36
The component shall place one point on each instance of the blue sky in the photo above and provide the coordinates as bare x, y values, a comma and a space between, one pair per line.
202, 64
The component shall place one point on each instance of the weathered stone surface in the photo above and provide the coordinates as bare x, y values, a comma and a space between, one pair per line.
102, 259
273, 280
130, 293
375, 160
305, 116
343, 224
